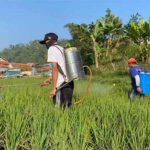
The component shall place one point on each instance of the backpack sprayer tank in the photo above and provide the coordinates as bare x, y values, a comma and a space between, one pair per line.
74, 65
74, 69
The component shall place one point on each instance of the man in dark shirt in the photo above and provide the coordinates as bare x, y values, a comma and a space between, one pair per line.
135, 79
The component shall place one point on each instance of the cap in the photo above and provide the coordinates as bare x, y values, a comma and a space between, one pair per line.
132, 60
49, 36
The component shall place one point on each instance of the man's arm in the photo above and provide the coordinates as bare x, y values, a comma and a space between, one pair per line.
137, 82
135, 74
54, 78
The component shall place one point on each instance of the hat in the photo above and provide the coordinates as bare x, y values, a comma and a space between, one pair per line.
132, 60
49, 36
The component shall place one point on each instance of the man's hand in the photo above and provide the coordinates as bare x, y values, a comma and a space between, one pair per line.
46, 82
52, 93
43, 84
139, 90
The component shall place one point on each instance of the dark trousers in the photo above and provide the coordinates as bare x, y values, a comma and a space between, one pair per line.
63, 96
133, 95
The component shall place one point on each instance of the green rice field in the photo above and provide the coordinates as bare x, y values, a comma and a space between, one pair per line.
105, 120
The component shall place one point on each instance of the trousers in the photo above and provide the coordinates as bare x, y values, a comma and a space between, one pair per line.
63, 97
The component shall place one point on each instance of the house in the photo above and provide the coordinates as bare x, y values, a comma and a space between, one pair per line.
23, 67
15, 68
2, 71
26, 69
3, 66
13, 73
3, 61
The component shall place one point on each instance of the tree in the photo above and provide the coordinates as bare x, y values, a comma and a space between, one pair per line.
81, 40
33, 52
139, 33
97, 36
101, 34
87, 34
113, 29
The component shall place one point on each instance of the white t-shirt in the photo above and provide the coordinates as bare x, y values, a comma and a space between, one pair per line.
56, 54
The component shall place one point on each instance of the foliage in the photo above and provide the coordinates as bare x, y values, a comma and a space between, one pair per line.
101, 35
105, 41
81, 40
140, 33
28, 53
105, 120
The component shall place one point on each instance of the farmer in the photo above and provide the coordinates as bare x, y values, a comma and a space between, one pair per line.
61, 92
134, 71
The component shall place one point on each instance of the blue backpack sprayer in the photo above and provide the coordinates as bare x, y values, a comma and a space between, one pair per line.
145, 82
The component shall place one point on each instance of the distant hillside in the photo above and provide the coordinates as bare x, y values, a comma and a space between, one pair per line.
27, 53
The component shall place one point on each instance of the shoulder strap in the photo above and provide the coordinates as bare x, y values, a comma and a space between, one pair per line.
141, 70
59, 68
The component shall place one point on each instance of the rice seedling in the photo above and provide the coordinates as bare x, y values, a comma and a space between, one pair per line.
105, 120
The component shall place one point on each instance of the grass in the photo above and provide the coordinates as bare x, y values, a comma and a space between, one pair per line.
106, 120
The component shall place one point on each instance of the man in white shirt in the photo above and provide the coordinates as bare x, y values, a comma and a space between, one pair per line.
61, 92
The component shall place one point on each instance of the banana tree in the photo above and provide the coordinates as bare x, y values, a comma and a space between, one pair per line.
90, 32
103, 32
97, 37
112, 29
139, 33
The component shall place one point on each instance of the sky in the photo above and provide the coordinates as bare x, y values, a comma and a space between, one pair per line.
22, 21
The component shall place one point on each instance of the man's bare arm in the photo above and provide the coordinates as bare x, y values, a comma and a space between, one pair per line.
54, 78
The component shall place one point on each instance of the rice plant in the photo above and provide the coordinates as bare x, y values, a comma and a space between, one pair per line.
105, 120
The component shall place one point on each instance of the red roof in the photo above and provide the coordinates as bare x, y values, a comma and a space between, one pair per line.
3, 61
3, 66
22, 66
25, 67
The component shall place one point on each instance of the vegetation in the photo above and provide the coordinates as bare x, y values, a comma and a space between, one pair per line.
27, 53
106, 41
105, 120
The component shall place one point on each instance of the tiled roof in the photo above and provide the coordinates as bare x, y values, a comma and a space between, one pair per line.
3, 61
3, 66
22, 66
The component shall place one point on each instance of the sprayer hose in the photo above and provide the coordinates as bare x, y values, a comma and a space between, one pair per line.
81, 99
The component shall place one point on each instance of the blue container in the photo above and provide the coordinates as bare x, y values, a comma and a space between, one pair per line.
145, 82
